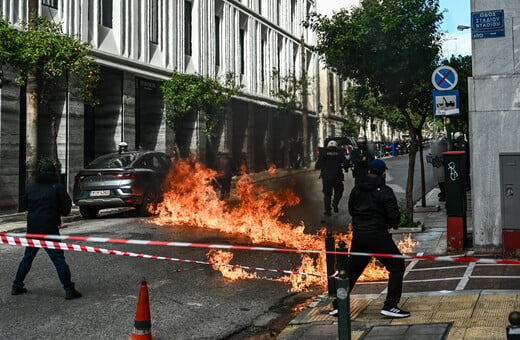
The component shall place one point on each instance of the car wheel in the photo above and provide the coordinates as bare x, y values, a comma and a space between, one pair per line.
89, 212
150, 197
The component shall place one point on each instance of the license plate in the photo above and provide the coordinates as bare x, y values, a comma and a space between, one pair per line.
97, 193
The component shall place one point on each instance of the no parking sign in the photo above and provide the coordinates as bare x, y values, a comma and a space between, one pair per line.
445, 78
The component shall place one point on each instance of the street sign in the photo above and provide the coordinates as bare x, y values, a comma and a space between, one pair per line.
446, 103
487, 24
444, 78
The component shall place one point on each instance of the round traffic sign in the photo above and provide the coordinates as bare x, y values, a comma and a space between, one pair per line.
445, 78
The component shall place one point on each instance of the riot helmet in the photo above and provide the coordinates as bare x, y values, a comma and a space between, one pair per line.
332, 144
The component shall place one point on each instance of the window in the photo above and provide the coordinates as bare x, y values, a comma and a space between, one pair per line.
153, 21
50, 3
187, 28
262, 63
331, 92
105, 13
278, 10
293, 15
242, 51
217, 41
341, 96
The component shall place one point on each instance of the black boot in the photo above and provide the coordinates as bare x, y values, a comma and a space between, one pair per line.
327, 206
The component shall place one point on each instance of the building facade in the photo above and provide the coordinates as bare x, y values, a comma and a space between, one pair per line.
494, 121
138, 44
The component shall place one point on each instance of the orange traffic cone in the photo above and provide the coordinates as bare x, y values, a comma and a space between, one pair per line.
142, 324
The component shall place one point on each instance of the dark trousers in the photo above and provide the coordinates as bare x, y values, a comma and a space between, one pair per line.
58, 259
332, 192
380, 244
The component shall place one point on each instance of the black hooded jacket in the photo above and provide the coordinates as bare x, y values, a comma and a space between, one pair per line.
373, 207
46, 200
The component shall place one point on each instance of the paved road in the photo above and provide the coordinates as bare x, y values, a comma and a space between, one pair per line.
187, 300
192, 301
308, 187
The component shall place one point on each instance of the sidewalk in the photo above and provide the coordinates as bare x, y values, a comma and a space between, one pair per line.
17, 222
453, 315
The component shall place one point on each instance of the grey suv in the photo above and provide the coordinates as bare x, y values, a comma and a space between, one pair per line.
126, 179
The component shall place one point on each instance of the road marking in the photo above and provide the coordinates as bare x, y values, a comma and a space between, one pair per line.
437, 268
465, 278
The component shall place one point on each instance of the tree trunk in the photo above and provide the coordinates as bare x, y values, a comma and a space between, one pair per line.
423, 180
31, 128
31, 146
33, 8
409, 183
305, 114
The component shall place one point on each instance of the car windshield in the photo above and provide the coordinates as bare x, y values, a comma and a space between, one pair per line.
112, 161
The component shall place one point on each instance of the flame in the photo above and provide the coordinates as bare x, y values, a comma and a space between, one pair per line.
221, 258
190, 198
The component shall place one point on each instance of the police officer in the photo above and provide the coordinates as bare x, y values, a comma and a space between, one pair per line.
332, 162
361, 157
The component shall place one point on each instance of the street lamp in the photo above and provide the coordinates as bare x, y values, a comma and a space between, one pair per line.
462, 27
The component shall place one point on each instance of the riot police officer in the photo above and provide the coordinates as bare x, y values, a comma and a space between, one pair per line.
361, 157
332, 162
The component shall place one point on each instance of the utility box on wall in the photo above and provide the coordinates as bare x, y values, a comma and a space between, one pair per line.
510, 202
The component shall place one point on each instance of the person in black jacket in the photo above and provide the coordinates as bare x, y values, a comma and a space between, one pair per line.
45, 200
361, 157
332, 162
374, 210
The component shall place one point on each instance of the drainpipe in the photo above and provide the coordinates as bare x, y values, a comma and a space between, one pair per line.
122, 109
67, 131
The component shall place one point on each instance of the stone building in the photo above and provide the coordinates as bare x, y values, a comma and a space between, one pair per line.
494, 122
137, 45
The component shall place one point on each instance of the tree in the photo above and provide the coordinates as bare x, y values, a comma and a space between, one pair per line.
364, 104
462, 64
289, 91
43, 56
189, 93
392, 46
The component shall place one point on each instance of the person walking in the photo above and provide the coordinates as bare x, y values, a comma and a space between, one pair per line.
361, 157
332, 162
374, 210
45, 200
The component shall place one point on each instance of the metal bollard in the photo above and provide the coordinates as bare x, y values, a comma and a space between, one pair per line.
513, 330
343, 297
330, 259
342, 259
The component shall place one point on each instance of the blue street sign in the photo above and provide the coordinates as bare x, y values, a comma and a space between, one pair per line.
444, 78
446, 103
487, 24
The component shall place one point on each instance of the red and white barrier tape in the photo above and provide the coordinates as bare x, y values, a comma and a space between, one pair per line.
231, 247
154, 243
28, 242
